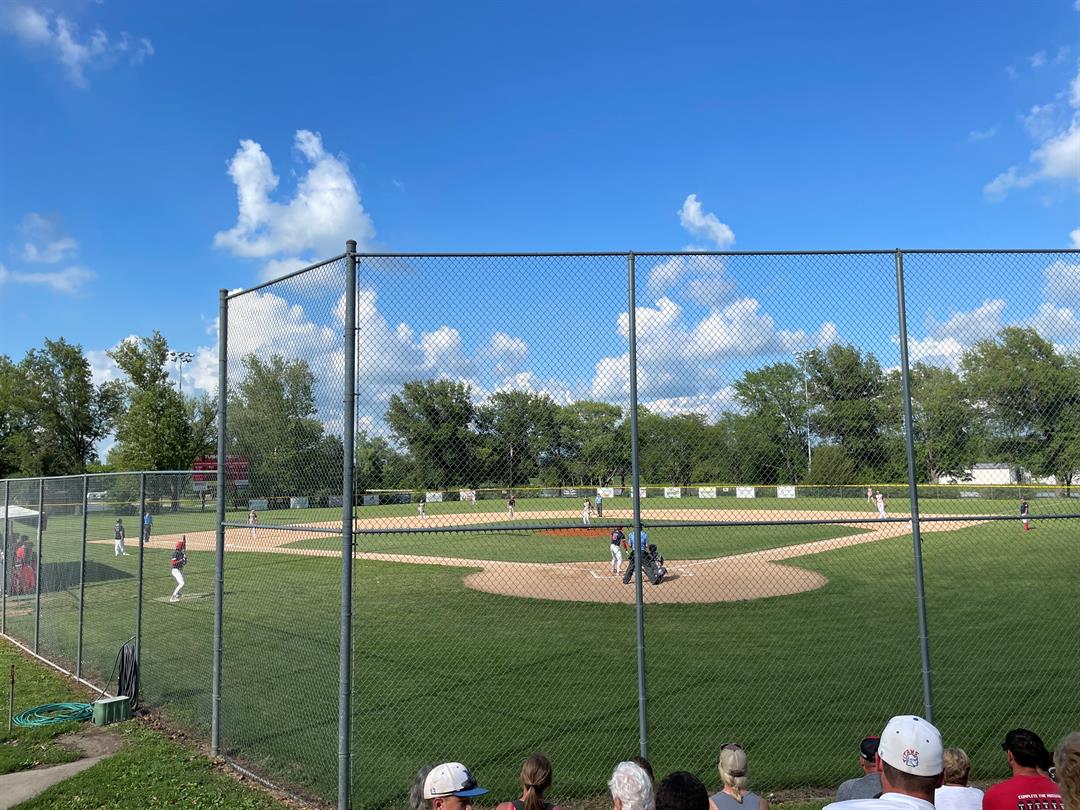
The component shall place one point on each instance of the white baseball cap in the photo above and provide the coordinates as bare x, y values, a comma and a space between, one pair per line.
912, 745
451, 779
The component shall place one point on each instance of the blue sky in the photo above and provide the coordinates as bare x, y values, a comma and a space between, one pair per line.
127, 130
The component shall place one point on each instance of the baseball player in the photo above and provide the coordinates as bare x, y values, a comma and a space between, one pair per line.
617, 540
253, 518
179, 560
118, 538
147, 525
1024, 509
511, 502
880, 505
422, 509
869, 494
586, 511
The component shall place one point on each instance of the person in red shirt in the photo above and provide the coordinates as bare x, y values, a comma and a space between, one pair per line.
1026, 789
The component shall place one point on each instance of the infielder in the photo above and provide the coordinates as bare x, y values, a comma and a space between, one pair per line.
422, 509
880, 505
118, 538
179, 560
253, 518
511, 502
586, 511
617, 540
1024, 509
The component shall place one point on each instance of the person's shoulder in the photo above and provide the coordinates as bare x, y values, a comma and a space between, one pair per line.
856, 804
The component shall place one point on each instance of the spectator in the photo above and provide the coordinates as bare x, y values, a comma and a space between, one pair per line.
450, 786
647, 767
1024, 751
867, 786
631, 788
733, 795
535, 780
416, 791
955, 793
911, 763
1067, 766
682, 791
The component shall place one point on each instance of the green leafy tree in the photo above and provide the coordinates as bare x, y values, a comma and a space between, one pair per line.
1028, 394
850, 409
776, 399
524, 421
272, 423
945, 422
436, 420
155, 431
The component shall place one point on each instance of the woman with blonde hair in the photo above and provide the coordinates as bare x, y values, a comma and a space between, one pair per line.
734, 795
535, 779
1067, 767
955, 794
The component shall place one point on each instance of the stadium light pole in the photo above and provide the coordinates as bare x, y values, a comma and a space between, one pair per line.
180, 358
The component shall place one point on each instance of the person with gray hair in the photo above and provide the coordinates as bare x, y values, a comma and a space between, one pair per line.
631, 788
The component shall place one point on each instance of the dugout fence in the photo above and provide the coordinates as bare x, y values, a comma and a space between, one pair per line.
384, 607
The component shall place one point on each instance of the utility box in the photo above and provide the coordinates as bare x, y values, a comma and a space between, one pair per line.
112, 710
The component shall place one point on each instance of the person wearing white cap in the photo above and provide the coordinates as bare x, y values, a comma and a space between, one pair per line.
910, 758
450, 786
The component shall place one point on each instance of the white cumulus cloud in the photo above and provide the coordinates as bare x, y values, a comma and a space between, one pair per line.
322, 214
1056, 156
43, 240
704, 224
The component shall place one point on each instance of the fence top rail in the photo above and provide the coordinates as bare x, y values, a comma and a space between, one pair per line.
105, 474
627, 253
231, 295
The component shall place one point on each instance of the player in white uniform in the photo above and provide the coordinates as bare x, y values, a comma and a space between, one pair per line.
880, 505
422, 510
586, 511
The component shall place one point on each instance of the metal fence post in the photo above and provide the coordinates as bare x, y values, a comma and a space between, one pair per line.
637, 546
82, 575
139, 576
219, 543
7, 560
913, 490
40, 556
345, 651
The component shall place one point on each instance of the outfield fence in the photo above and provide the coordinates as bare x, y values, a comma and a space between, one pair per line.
422, 459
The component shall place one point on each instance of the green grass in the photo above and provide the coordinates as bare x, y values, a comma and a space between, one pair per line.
35, 685
691, 543
445, 672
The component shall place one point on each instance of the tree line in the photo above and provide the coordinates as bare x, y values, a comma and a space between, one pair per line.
835, 417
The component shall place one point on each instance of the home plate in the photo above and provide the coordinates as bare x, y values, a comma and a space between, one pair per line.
184, 597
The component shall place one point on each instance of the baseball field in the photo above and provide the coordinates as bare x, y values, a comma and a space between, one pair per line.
483, 646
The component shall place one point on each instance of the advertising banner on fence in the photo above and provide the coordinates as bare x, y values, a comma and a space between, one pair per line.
369, 500
606, 492
433, 497
258, 504
298, 503
785, 492
672, 492
745, 492
569, 493
706, 492
205, 467
467, 495
642, 492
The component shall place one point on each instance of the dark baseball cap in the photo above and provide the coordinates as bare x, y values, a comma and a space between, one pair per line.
868, 747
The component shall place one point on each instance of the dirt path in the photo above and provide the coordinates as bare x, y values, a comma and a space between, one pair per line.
752, 575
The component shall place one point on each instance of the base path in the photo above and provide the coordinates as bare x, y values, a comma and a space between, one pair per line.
737, 577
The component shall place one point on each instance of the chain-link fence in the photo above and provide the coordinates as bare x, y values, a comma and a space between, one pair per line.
600, 505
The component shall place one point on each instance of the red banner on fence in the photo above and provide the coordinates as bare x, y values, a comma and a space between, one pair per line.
236, 470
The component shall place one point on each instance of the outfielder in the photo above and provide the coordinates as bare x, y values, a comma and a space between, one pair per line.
179, 560
1024, 509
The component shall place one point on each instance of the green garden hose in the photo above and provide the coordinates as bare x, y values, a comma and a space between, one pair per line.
52, 713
